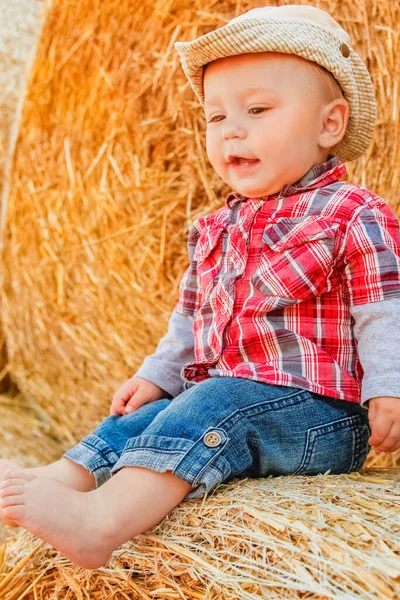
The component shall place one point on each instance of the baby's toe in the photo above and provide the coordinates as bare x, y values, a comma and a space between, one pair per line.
12, 490
13, 514
13, 499
18, 475
13, 481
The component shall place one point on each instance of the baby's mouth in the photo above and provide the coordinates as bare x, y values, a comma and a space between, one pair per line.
241, 160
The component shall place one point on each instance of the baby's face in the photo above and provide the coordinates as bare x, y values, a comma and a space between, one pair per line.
265, 107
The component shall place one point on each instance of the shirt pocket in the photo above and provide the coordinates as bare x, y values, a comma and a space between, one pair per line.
208, 256
297, 257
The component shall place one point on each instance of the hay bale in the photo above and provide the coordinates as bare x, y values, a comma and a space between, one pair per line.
323, 538
20, 23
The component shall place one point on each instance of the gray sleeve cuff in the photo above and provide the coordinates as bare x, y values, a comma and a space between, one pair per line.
174, 350
377, 330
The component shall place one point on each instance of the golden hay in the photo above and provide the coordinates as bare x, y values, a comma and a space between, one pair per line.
110, 169
19, 26
321, 538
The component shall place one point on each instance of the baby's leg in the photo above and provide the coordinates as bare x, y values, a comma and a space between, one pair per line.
88, 527
97, 452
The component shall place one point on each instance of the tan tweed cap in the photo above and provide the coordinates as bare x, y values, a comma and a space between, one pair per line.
308, 32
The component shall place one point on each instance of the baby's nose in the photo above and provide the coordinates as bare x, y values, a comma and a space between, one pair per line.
233, 129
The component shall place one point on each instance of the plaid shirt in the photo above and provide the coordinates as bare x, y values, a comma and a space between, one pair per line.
272, 280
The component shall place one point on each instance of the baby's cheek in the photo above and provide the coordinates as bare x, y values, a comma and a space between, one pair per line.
222, 170
213, 149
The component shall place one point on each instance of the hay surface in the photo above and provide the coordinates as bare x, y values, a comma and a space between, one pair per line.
110, 170
20, 22
326, 538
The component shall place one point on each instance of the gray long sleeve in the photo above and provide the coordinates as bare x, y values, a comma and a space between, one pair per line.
377, 330
174, 350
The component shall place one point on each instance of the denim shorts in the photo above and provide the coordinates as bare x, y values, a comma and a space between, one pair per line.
224, 428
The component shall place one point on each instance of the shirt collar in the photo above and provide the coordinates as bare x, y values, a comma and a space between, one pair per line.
318, 176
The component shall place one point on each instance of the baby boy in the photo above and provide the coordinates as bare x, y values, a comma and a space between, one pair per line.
280, 356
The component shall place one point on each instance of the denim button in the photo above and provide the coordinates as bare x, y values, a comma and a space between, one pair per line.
212, 439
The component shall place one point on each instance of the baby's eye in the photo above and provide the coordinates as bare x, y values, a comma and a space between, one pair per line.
212, 120
259, 109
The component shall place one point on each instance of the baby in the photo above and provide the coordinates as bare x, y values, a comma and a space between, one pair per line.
281, 352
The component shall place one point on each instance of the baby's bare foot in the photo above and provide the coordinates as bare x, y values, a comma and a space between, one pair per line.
78, 524
6, 464
64, 470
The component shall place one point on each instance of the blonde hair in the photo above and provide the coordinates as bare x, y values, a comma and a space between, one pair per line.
331, 87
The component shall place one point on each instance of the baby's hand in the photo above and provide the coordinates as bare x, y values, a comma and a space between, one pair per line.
134, 393
384, 419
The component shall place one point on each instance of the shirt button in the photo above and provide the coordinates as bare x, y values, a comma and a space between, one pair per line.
212, 439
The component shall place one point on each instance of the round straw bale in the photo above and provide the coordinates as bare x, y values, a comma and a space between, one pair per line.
20, 22
110, 169
323, 538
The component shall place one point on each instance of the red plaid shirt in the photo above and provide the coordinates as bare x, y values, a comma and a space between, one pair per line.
272, 280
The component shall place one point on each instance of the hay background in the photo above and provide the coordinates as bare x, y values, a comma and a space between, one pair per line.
110, 169
20, 23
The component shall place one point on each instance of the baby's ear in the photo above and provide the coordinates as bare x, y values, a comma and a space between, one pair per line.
335, 116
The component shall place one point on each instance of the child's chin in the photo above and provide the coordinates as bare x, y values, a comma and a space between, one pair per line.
252, 192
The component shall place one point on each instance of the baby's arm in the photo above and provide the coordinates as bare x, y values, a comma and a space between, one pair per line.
160, 374
174, 350
372, 284
377, 330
